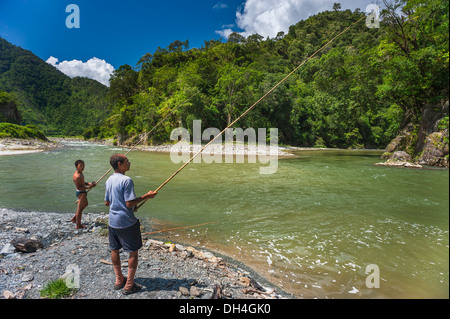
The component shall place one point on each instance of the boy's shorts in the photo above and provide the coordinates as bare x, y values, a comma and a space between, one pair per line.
129, 238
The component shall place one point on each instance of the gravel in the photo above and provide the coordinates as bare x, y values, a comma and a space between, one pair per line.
165, 271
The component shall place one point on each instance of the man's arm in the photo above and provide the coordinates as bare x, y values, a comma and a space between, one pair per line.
90, 185
81, 185
134, 202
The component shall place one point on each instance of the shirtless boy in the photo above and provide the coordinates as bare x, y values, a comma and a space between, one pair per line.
81, 193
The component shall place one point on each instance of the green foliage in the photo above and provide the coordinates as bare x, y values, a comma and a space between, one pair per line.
414, 55
56, 289
47, 98
358, 92
341, 98
443, 124
8, 108
6, 97
22, 132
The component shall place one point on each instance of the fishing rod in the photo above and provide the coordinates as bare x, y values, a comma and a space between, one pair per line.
146, 135
253, 106
182, 227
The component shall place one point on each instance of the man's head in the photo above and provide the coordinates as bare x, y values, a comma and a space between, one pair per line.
120, 163
79, 165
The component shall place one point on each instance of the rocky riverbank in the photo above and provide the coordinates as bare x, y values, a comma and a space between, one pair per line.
222, 149
13, 146
165, 271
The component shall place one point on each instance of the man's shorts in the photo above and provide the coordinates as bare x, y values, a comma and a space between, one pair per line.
129, 238
78, 193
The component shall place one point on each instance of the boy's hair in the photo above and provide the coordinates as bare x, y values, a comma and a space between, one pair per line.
78, 162
115, 159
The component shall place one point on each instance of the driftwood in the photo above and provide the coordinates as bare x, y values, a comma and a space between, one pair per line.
250, 282
254, 287
254, 290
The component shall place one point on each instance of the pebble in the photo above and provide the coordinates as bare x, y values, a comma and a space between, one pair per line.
164, 271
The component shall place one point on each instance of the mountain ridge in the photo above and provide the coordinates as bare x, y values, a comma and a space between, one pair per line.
48, 98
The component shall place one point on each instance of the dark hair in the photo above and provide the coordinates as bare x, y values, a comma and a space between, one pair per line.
115, 159
78, 162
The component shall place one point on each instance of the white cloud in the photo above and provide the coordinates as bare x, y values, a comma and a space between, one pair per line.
225, 33
94, 68
219, 6
268, 17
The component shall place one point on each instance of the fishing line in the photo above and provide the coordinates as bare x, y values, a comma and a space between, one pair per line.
256, 103
164, 230
146, 135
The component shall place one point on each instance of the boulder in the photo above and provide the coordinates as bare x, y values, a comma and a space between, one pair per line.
425, 140
435, 151
10, 113
26, 245
401, 156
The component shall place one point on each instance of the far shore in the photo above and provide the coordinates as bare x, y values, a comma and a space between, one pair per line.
15, 146
221, 148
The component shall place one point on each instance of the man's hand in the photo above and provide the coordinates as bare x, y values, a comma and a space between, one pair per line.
150, 194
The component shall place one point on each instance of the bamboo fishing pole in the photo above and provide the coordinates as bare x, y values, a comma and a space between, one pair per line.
146, 135
164, 230
256, 103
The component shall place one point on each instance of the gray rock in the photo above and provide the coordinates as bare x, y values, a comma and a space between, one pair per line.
195, 292
26, 245
184, 291
7, 249
401, 156
163, 274
27, 276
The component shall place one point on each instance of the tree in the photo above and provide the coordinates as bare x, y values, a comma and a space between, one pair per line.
123, 84
235, 86
415, 55
336, 6
236, 38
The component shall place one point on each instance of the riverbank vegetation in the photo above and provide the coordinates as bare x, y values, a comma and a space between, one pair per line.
46, 97
23, 132
361, 92
383, 87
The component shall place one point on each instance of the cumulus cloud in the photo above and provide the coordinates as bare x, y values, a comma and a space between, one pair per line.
268, 17
225, 33
94, 68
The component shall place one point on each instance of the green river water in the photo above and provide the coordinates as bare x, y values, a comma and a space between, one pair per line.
313, 227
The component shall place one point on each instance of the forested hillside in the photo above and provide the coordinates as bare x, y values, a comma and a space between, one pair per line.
360, 92
372, 88
46, 97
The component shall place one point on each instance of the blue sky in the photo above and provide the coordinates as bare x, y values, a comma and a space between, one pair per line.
121, 32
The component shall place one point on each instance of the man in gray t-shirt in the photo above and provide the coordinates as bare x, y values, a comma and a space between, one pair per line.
124, 228
119, 191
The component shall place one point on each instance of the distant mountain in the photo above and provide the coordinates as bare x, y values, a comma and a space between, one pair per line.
48, 98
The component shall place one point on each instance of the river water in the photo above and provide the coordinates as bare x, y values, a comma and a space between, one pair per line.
327, 224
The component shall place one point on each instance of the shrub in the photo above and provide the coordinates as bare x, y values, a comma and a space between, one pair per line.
56, 289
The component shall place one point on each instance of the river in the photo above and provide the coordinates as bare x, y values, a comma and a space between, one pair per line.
327, 224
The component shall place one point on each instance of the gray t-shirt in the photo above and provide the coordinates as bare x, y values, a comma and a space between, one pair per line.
120, 189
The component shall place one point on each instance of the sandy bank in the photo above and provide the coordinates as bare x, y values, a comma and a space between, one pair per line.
15, 146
